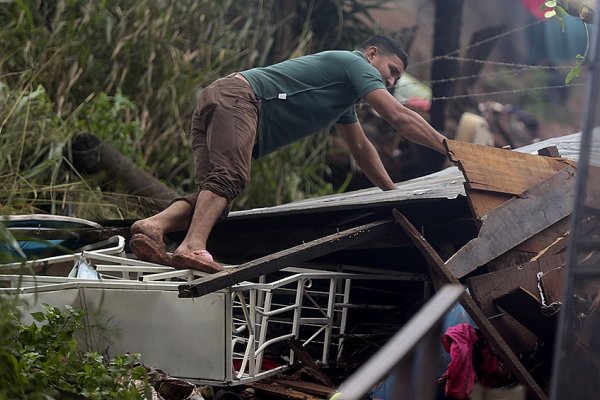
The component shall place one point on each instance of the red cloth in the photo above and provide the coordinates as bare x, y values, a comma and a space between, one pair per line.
535, 7
458, 341
488, 370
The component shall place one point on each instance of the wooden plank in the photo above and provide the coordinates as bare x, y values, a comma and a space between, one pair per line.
499, 170
557, 246
297, 254
527, 309
324, 392
552, 284
550, 151
545, 238
509, 259
494, 175
516, 221
486, 287
560, 243
493, 337
482, 202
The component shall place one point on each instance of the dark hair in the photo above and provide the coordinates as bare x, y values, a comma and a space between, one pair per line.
386, 44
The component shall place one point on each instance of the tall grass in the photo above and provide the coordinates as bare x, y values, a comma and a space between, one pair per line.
130, 71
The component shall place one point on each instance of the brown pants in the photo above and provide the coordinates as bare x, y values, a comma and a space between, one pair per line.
224, 126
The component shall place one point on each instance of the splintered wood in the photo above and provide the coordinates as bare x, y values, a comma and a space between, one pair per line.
494, 175
522, 203
515, 221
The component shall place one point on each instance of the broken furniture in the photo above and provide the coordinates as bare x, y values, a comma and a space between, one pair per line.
224, 338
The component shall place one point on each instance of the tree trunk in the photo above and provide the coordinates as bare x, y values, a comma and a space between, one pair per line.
91, 155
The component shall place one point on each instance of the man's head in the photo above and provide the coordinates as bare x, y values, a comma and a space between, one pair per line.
387, 56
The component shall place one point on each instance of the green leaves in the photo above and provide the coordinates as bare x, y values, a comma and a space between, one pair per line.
576, 70
555, 10
42, 360
129, 72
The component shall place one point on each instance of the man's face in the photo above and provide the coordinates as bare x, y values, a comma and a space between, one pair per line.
390, 66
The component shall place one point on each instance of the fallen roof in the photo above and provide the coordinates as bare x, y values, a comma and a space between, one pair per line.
444, 184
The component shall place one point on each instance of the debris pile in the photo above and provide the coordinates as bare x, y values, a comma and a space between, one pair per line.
312, 289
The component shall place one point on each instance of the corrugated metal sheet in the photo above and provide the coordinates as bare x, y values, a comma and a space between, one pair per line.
445, 184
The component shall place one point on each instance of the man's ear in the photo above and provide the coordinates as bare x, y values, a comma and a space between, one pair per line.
371, 52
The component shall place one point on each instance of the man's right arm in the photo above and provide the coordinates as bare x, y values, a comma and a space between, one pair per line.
406, 121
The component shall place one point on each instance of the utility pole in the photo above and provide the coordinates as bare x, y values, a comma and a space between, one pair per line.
446, 42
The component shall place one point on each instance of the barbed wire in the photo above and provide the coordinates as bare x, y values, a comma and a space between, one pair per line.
506, 64
500, 35
526, 68
508, 91
509, 68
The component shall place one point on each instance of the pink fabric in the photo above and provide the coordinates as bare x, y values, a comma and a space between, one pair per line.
458, 342
489, 368
535, 8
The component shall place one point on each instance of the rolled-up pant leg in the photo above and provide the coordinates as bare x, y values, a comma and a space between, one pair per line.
224, 127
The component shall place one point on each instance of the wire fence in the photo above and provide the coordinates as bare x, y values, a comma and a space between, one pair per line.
503, 68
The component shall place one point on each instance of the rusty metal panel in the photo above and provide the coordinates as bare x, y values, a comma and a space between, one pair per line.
444, 184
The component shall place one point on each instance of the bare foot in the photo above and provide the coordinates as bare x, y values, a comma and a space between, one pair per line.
148, 228
147, 249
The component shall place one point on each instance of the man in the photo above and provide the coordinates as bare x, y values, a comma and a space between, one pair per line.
254, 112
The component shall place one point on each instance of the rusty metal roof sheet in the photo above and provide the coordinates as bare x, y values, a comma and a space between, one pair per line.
444, 184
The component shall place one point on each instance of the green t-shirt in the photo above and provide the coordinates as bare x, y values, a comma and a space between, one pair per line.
305, 95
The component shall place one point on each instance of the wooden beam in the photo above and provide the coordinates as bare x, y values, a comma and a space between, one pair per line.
561, 241
526, 308
516, 221
324, 392
493, 337
297, 254
485, 288
547, 237
275, 390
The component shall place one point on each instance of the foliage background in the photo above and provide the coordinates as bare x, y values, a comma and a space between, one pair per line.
129, 72
42, 360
